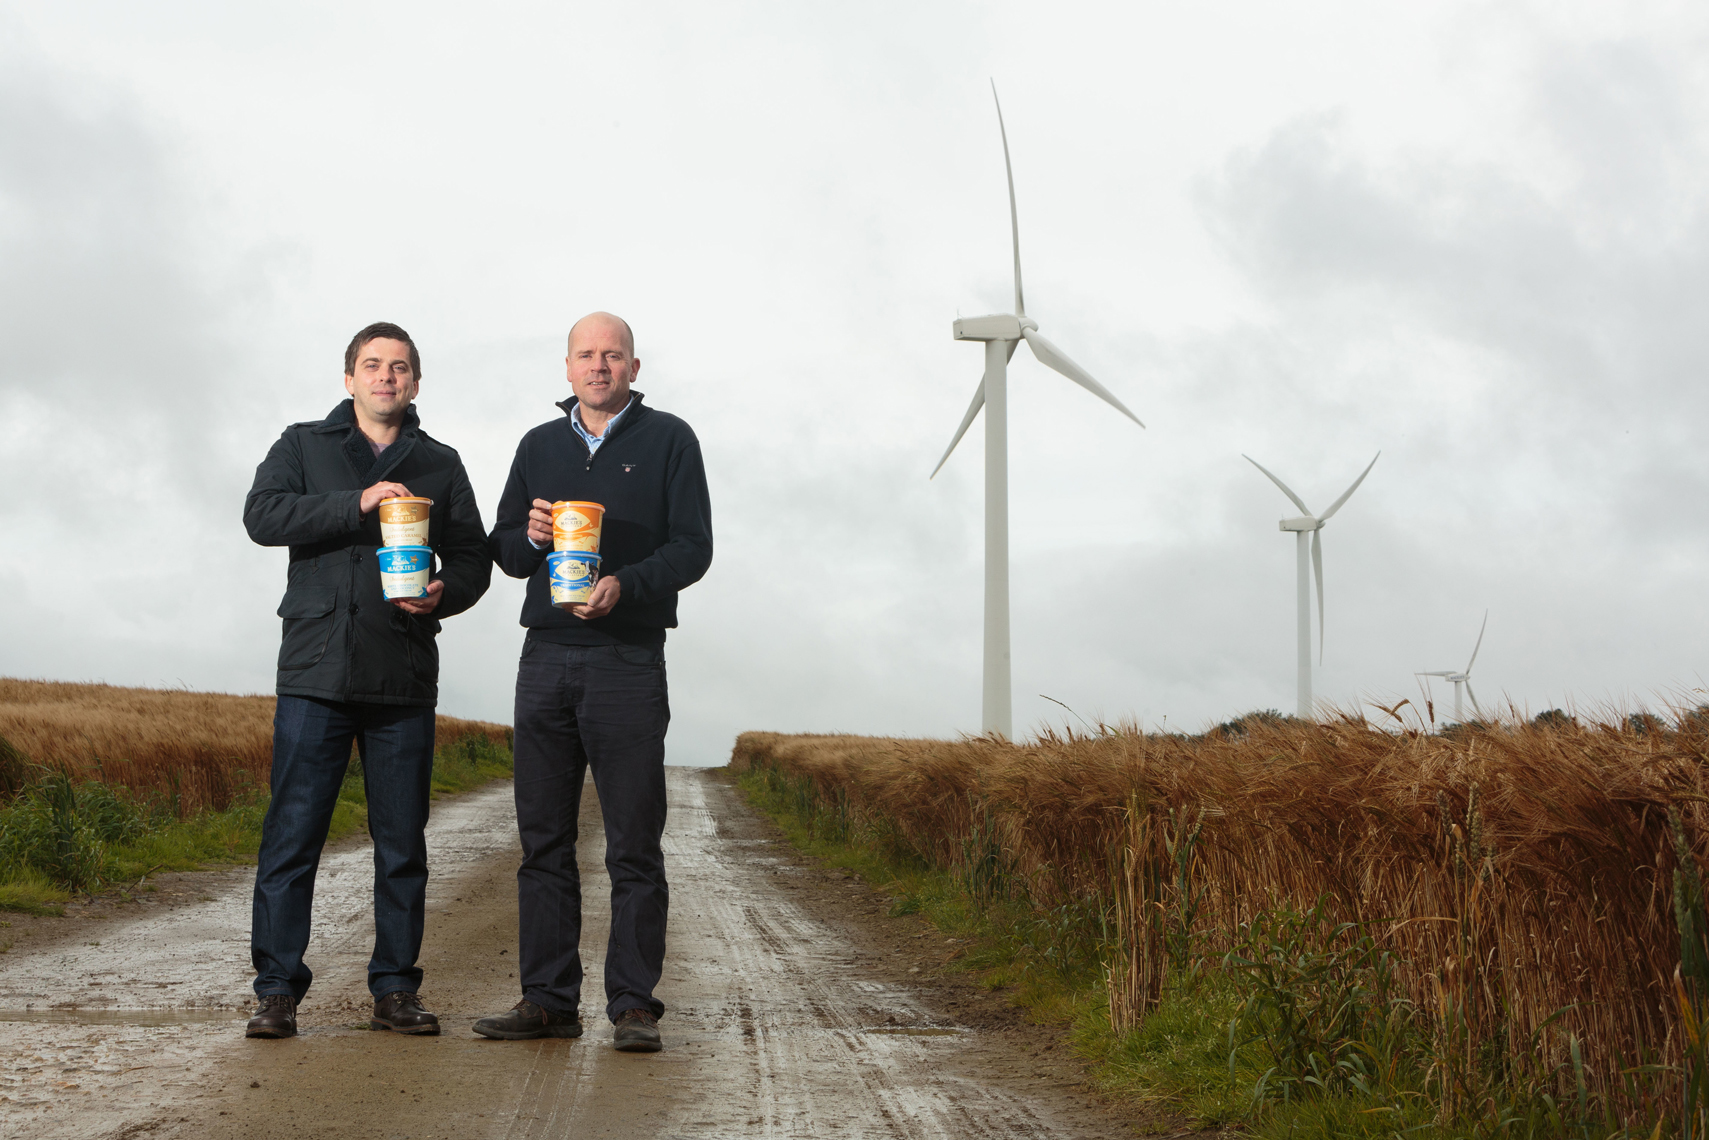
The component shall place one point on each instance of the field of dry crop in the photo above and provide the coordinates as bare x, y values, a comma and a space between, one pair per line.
1524, 874
198, 749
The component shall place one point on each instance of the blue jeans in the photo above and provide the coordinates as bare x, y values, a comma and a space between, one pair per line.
311, 749
604, 707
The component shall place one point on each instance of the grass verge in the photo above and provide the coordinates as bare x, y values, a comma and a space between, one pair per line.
1047, 964
59, 837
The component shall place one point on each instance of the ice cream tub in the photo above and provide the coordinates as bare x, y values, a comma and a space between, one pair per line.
572, 574
403, 522
404, 570
576, 526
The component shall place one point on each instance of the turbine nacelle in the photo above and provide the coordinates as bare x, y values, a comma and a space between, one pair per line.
1306, 523
999, 326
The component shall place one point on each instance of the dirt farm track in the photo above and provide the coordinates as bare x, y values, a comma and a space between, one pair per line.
795, 1008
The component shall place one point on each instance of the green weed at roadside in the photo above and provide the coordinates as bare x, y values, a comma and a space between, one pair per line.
1322, 1002
60, 837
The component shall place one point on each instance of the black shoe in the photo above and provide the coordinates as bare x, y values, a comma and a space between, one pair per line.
401, 1012
275, 1016
637, 1032
525, 1021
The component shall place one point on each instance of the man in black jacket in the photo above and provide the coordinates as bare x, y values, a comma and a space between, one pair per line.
355, 667
590, 688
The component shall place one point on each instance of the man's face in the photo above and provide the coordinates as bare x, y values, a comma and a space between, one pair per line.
600, 365
384, 383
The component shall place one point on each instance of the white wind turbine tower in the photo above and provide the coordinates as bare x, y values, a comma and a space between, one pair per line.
1002, 333
1311, 524
1465, 677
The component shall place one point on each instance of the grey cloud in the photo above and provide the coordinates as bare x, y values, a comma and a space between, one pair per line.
1575, 310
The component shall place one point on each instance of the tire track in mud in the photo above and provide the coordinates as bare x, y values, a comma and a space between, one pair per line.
832, 1050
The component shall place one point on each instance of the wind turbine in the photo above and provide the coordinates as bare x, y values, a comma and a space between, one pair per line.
1002, 333
1465, 677
1311, 524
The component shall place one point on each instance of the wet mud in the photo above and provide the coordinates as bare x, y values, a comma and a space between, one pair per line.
795, 1007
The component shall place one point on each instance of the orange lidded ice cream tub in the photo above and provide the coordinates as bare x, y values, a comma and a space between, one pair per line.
403, 522
576, 526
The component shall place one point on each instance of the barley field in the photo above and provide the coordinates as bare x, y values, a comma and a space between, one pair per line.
1530, 881
197, 750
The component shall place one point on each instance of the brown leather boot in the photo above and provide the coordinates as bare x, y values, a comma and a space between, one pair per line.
401, 1012
275, 1016
525, 1020
637, 1031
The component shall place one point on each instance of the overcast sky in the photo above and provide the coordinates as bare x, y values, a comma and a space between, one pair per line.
1472, 236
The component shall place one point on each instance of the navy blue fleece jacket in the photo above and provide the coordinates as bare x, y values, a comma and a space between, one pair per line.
656, 537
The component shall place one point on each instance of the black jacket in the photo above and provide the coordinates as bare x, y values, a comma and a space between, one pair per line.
342, 640
657, 533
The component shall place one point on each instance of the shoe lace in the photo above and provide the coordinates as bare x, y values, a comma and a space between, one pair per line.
640, 1015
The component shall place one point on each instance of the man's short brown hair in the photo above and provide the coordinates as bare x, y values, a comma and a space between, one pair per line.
380, 330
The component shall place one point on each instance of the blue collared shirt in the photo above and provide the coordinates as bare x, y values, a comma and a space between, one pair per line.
593, 441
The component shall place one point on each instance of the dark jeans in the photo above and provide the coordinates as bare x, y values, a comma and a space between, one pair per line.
603, 707
311, 748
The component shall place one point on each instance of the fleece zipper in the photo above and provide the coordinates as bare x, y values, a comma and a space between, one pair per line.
570, 406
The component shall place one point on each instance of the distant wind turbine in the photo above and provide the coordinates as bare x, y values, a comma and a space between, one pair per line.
1002, 333
1311, 524
1464, 677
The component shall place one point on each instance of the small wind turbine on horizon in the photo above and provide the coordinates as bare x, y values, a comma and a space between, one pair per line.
1464, 677
1002, 333
1311, 524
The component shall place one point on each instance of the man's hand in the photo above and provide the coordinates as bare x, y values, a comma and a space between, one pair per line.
540, 523
601, 601
422, 606
372, 496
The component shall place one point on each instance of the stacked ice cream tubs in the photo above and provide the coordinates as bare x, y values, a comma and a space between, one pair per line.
573, 566
406, 561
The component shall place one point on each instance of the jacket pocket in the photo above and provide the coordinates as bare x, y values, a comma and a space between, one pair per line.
308, 627
420, 645
423, 650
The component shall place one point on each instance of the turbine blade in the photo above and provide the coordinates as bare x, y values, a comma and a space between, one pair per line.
1436, 673
1014, 217
1051, 357
1477, 708
1298, 502
1345, 495
966, 421
1317, 567
1479, 645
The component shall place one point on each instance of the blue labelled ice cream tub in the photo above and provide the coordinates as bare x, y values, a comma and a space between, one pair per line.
404, 570
572, 574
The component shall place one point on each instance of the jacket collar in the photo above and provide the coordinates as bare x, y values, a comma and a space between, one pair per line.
632, 411
343, 417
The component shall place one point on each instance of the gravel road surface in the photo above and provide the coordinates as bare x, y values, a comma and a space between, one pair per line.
795, 1008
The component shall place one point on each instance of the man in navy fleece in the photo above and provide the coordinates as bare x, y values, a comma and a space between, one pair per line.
590, 688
